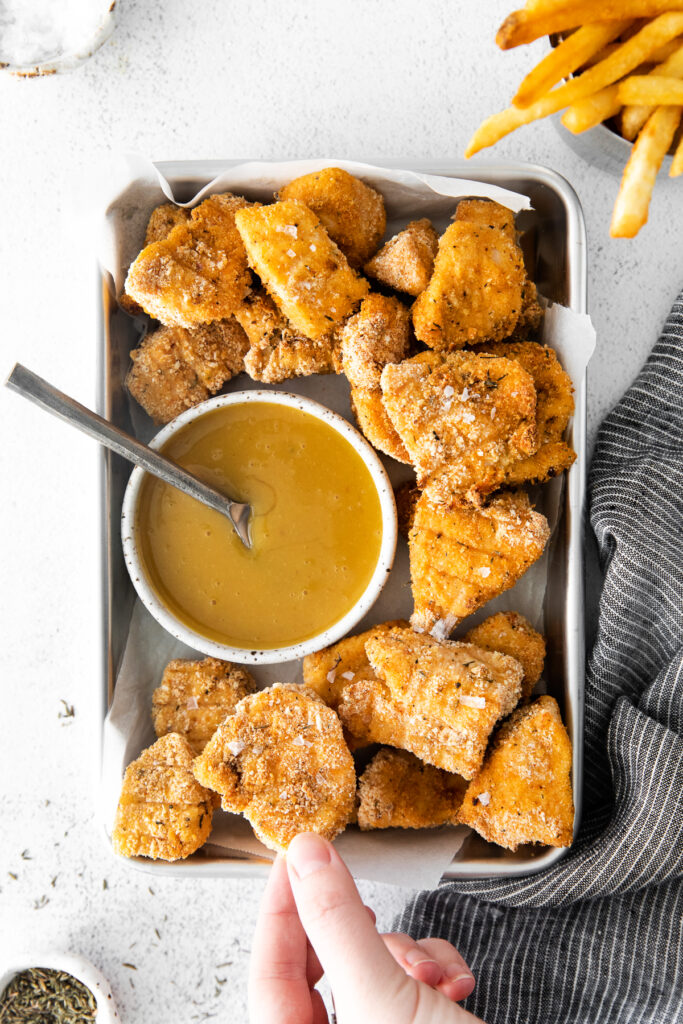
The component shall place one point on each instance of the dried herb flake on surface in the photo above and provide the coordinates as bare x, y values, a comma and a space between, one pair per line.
47, 997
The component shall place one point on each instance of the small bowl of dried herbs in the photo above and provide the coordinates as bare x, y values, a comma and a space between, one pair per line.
54, 988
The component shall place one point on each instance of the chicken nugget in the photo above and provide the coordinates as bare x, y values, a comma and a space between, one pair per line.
463, 556
281, 760
374, 423
214, 351
305, 273
163, 811
160, 379
475, 291
464, 687
277, 350
486, 214
406, 261
351, 212
329, 671
378, 334
510, 633
199, 272
554, 406
194, 697
163, 219
463, 418
397, 790
523, 792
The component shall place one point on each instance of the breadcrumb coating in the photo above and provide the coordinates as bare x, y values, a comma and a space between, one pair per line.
194, 697
305, 273
163, 219
198, 273
406, 261
463, 556
214, 351
463, 418
351, 212
277, 351
160, 379
523, 792
281, 760
510, 633
163, 812
378, 334
397, 790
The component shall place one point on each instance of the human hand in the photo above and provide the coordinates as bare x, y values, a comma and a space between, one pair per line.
312, 921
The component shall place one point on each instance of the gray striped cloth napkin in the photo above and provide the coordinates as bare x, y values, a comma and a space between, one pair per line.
598, 936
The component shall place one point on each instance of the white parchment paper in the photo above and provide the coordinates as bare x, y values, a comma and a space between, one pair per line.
414, 859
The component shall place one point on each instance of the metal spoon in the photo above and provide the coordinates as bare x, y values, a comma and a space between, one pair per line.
37, 390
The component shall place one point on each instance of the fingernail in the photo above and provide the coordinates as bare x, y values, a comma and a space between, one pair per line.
307, 853
458, 973
416, 956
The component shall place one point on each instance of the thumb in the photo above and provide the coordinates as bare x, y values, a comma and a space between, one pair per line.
351, 952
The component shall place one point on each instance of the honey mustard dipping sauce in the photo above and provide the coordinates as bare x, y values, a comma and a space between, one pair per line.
316, 527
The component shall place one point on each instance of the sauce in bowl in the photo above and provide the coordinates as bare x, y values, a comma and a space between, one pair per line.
316, 527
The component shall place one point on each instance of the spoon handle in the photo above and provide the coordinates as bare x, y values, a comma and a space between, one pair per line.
33, 387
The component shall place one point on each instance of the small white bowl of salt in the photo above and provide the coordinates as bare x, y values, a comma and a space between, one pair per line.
42, 37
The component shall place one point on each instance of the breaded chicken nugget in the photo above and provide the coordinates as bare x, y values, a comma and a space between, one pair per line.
475, 292
466, 688
161, 380
378, 334
277, 351
523, 793
554, 406
406, 496
198, 273
406, 261
373, 421
510, 633
194, 697
463, 556
329, 671
487, 214
301, 267
396, 790
214, 351
463, 418
163, 811
281, 760
163, 219
351, 212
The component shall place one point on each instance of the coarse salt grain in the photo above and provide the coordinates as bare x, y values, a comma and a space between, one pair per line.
484, 571
464, 394
484, 798
236, 747
472, 702
291, 229
192, 703
347, 675
468, 417
331, 675
448, 391
299, 741
291, 253
257, 750
312, 247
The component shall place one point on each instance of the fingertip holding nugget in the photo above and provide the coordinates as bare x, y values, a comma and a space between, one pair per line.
523, 792
512, 634
397, 790
406, 261
281, 760
163, 813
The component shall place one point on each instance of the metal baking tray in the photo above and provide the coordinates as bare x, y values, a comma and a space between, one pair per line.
555, 251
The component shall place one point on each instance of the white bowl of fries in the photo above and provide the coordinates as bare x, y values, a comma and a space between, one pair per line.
618, 63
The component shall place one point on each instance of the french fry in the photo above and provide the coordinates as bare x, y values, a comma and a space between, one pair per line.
634, 116
545, 19
657, 90
619, 64
592, 110
631, 208
572, 53
677, 162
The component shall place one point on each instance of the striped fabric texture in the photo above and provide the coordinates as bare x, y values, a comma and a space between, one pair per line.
598, 936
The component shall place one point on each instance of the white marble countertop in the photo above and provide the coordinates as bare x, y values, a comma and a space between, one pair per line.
363, 79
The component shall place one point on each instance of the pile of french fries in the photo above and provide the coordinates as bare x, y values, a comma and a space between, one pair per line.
619, 61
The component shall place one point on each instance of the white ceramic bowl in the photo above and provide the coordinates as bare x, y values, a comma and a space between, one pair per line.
77, 966
329, 636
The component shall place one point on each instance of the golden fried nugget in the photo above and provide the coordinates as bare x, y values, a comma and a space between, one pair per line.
351, 212
161, 380
510, 633
163, 219
378, 334
475, 292
485, 213
406, 496
163, 811
464, 687
281, 760
214, 351
199, 272
463, 556
397, 790
373, 421
303, 270
554, 406
329, 671
463, 418
194, 697
523, 793
277, 351
406, 261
